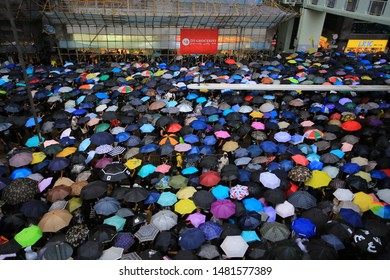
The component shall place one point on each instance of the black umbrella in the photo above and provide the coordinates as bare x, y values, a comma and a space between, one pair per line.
165, 241
114, 172
286, 250
249, 221
20, 190
136, 195
342, 231
185, 255
230, 229
209, 162
93, 190
11, 224
101, 138
229, 172
302, 199
367, 242
10, 247
203, 199
34, 208
317, 216
357, 183
58, 164
320, 250
58, 251
90, 250
102, 233
275, 196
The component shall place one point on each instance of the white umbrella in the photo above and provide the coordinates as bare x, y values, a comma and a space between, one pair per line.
266, 107
234, 246
65, 89
360, 160
164, 220
245, 109
285, 209
269, 180
116, 130
344, 195
185, 108
112, 253
101, 108
70, 104
331, 170
384, 195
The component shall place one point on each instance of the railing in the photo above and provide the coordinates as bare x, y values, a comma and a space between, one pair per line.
351, 5
330, 3
376, 8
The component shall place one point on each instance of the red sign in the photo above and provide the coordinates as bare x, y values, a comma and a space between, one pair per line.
198, 41
273, 42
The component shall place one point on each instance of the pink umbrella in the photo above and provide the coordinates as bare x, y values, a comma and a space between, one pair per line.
47, 143
239, 192
222, 134
182, 147
163, 168
196, 219
346, 147
103, 162
44, 184
223, 208
258, 125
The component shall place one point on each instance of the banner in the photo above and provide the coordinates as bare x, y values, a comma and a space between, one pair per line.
366, 45
198, 41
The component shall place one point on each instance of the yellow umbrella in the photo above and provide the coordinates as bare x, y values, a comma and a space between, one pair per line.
66, 152
363, 200
256, 114
37, 157
230, 146
74, 203
365, 175
185, 206
319, 179
186, 192
159, 72
133, 163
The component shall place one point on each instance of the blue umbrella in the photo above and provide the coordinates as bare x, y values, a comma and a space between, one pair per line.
198, 125
241, 152
254, 150
152, 198
269, 147
148, 148
338, 153
84, 145
116, 221
191, 239
146, 170
33, 141
68, 141
249, 221
351, 217
193, 150
79, 112
209, 140
296, 139
22, 172
207, 150
209, 110
106, 206
31, 122
250, 236
211, 230
220, 192
201, 99
334, 241
252, 204
191, 138
286, 165
350, 168
304, 227
133, 141
192, 96
189, 170
213, 118
102, 95
378, 174
316, 165
167, 199
147, 128
244, 175
273, 166
41, 165
58, 164
122, 137
101, 138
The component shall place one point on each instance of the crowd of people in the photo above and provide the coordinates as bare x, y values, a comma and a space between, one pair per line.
123, 161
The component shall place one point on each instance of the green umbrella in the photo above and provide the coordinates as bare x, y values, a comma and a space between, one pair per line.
104, 78
116, 221
102, 127
28, 236
178, 181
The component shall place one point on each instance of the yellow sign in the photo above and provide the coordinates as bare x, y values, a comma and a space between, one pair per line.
366, 45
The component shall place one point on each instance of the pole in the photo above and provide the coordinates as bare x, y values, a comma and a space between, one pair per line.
23, 64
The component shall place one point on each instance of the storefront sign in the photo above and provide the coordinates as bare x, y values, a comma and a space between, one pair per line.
198, 41
366, 45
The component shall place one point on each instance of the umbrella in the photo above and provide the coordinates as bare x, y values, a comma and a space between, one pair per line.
90, 250
178, 181
239, 192
234, 246
320, 250
106, 206
57, 251
285, 209
146, 233
136, 195
208, 251
286, 250
185, 206
114, 172
20, 159
203, 199
343, 194
116, 221
191, 238
302, 199
220, 192
209, 178
300, 173
319, 179
351, 217
211, 230
196, 219
102, 138
304, 227
367, 242
274, 231
55, 220
223, 208
167, 199
102, 233
28, 236
269, 180
164, 220
77, 234
19, 190
93, 190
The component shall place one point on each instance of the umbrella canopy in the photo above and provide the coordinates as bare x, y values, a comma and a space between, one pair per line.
223, 208
319, 179
55, 220
20, 190
164, 220
191, 238
274, 231
147, 233
234, 246
28, 236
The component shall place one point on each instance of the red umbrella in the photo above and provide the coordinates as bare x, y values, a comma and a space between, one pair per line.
351, 126
174, 127
230, 61
209, 178
300, 159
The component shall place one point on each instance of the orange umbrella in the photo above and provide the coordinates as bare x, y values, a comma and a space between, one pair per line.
76, 187
351, 126
169, 139
300, 159
58, 193
66, 152
230, 61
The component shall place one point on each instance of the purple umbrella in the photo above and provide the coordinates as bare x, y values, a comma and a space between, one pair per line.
223, 208
196, 219
211, 230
